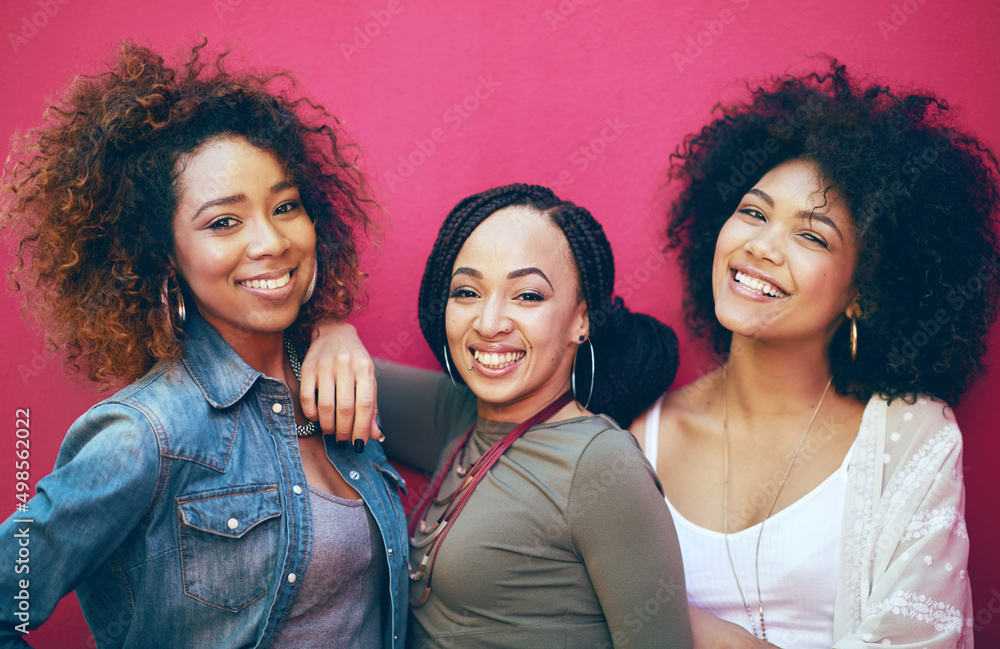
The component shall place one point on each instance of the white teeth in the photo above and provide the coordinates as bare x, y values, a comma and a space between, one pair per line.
758, 285
269, 284
497, 361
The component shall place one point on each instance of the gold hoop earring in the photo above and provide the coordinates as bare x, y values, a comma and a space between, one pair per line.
181, 316
854, 338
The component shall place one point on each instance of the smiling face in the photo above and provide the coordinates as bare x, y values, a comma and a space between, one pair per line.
784, 261
243, 243
514, 313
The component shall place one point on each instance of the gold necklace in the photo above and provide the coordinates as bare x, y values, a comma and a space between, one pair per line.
725, 502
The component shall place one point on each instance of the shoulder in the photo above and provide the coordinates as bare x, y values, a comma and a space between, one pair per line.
573, 439
579, 432
919, 439
918, 421
682, 410
602, 446
167, 386
141, 414
127, 410
920, 412
612, 473
114, 445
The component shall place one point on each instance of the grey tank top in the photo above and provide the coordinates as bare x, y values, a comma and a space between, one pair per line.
342, 599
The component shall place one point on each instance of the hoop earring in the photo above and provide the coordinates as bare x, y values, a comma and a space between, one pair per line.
593, 372
312, 284
854, 338
448, 366
165, 300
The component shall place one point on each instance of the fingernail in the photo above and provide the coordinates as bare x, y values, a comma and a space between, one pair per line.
342, 443
359, 446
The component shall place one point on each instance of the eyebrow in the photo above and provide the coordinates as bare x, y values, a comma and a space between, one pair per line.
531, 270
822, 218
472, 272
764, 196
812, 216
239, 198
514, 274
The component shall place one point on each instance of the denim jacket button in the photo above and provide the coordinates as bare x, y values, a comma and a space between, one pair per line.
276, 408
233, 523
291, 577
297, 490
355, 475
389, 551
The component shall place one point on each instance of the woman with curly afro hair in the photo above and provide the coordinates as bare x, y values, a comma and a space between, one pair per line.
838, 247
182, 229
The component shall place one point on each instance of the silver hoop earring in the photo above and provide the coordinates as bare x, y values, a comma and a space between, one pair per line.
312, 284
448, 366
593, 372
165, 300
181, 309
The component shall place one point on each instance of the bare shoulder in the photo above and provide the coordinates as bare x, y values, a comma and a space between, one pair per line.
683, 409
686, 409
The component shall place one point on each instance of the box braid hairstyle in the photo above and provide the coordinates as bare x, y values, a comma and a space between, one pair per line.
635, 354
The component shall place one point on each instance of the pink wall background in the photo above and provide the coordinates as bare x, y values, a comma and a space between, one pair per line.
448, 98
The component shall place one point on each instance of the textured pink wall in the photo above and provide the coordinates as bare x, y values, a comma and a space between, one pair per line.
447, 98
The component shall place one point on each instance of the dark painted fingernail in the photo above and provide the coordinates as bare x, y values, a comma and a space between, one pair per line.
342, 443
359, 446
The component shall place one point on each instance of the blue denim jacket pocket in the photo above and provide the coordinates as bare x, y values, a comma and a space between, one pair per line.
229, 542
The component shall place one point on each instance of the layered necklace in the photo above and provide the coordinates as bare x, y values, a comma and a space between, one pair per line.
454, 504
725, 501
293, 359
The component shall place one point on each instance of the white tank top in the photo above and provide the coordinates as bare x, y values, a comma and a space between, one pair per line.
798, 561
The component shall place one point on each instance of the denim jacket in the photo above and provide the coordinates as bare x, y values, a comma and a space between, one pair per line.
178, 511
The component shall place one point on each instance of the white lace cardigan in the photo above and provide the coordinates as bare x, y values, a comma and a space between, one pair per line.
904, 545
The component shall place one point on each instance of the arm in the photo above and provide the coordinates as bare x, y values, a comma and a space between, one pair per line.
919, 594
422, 411
105, 479
338, 384
627, 540
711, 632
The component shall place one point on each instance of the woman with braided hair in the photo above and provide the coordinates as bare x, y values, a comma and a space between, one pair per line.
521, 540
839, 252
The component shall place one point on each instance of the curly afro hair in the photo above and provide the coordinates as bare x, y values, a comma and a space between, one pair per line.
635, 354
91, 195
924, 197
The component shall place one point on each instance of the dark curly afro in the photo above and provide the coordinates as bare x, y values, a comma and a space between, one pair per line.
924, 196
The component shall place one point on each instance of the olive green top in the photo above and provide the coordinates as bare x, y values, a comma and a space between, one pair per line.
567, 542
